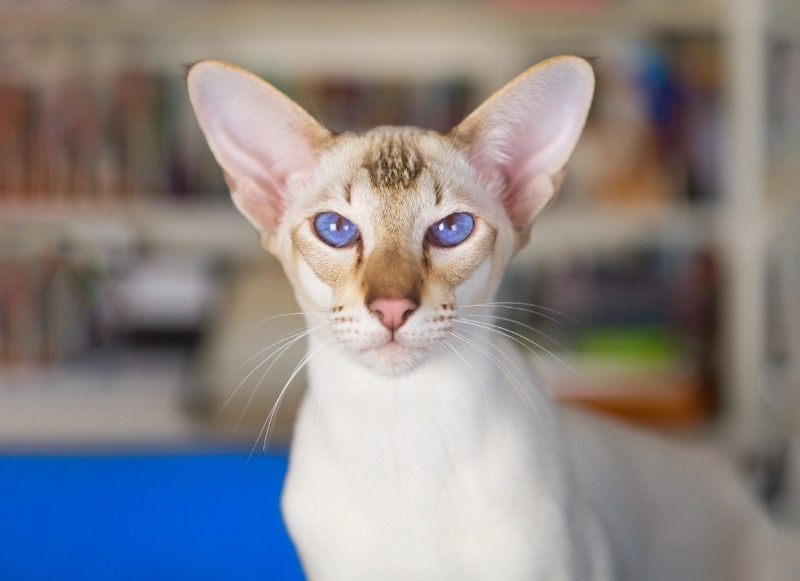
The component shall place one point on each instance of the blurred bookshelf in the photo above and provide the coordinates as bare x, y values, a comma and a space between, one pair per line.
656, 253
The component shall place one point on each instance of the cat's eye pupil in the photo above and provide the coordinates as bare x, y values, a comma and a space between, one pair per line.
335, 230
452, 230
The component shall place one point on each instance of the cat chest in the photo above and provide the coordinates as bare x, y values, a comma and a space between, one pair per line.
418, 516
404, 530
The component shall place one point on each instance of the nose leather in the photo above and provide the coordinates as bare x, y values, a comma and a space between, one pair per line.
392, 312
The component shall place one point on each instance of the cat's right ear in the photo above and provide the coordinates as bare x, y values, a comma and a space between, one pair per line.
262, 139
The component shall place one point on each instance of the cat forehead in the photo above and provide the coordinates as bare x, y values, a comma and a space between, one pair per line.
393, 159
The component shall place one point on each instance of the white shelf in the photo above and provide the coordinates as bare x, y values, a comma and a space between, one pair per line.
207, 19
125, 399
296, 40
563, 232
193, 228
419, 41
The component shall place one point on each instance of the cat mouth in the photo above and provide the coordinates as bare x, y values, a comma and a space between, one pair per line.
391, 349
392, 346
393, 357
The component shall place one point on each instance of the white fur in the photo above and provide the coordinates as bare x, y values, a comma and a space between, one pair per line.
417, 478
428, 453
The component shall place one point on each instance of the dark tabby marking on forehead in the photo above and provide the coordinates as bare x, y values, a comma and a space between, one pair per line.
437, 192
393, 164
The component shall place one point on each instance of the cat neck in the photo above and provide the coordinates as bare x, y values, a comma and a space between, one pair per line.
455, 397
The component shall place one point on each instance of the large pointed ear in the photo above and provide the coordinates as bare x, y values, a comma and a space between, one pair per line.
260, 137
524, 134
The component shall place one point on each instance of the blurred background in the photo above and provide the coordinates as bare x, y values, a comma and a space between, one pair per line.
135, 303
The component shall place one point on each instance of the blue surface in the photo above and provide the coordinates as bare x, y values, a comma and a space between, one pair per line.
155, 516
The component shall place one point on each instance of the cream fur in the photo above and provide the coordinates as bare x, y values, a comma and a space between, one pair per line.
427, 453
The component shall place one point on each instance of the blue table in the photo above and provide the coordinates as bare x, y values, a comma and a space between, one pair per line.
171, 516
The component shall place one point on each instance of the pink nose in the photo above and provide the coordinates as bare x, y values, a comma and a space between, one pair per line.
392, 312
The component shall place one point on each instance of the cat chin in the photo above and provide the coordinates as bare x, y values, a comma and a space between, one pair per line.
392, 359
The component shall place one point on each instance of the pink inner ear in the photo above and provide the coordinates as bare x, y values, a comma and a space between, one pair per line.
263, 205
526, 132
525, 188
524, 200
259, 136
263, 151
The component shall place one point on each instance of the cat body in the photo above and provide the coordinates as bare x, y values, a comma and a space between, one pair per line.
423, 449
418, 480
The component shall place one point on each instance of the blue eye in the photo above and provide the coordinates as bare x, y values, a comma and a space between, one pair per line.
451, 231
335, 230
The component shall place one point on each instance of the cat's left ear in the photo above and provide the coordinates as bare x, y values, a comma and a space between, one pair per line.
262, 139
523, 135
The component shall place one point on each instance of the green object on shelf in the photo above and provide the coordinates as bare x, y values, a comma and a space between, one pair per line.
651, 345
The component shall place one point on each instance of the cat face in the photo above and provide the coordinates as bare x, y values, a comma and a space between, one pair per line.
388, 237
385, 234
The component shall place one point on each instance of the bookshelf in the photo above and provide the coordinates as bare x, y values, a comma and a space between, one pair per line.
453, 50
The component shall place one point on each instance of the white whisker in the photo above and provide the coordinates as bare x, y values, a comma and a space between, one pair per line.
288, 338
266, 428
318, 393
530, 328
531, 308
450, 347
527, 343
523, 393
274, 356
280, 346
519, 338
283, 316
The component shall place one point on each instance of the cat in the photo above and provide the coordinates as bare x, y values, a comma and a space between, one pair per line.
422, 451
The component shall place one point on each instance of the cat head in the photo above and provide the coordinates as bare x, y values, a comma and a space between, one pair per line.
385, 234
